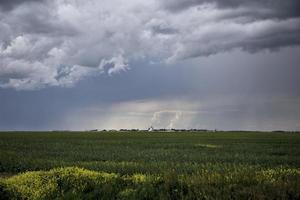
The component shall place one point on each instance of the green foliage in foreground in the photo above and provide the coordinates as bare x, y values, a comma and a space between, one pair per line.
78, 183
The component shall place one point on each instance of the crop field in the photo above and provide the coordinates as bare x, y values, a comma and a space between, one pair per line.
149, 165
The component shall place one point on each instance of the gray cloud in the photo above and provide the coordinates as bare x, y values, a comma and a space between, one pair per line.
58, 43
272, 8
7, 5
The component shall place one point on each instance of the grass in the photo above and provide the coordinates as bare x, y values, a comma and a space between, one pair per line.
214, 165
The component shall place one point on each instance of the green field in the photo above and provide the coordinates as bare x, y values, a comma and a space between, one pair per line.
144, 165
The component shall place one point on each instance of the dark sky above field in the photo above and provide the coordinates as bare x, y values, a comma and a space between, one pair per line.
217, 64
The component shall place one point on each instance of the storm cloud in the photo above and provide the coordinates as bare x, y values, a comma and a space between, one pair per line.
268, 8
6, 5
58, 43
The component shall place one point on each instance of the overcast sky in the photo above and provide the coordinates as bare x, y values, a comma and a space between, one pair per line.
110, 64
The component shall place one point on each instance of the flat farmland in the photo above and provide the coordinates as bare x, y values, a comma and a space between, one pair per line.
150, 165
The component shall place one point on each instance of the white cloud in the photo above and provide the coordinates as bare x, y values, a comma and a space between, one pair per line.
119, 63
167, 118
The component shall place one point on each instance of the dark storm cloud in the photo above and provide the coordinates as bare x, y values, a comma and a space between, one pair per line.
58, 43
273, 8
125, 48
7, 5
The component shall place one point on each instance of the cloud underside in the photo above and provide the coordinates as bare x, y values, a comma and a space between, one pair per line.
57, 43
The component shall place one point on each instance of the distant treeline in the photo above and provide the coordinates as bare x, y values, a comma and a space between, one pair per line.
180, 130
